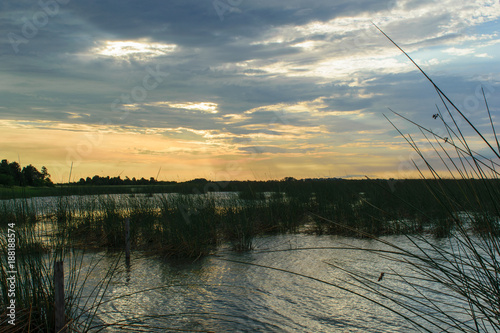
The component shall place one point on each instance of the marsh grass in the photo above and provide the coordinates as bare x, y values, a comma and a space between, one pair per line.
193, 225
175, 225
36, 252
187, 226
446, 283
19, 212
464, 275
190, 226
249, 193
450, 285
238, 228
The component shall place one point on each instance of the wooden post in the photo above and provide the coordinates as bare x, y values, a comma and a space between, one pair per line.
127, 241
60, 319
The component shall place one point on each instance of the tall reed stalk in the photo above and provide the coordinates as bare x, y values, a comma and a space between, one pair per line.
37, 247
452, 286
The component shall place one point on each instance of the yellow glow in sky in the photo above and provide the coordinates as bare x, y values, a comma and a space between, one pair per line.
142, 153
201, 106
140, 49
272, 91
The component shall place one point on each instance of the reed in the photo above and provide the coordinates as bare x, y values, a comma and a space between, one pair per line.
453, 286
144, 213
449, 284
187, 226
19, 212
36, 251
238, 227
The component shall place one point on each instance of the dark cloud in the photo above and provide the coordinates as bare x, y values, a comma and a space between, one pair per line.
229, 62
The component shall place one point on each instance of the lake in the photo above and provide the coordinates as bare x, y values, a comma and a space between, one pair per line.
220, 293
287, 283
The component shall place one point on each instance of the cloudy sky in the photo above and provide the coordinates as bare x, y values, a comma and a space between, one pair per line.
235, 89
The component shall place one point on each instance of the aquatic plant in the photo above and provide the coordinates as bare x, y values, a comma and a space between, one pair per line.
36, 251
187, 226
449, 284
454, 286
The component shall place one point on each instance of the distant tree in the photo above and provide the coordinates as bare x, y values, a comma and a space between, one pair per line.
114, 181
96, 180
15, 172
6, 177
46, 177
45, 173
31, 176
289, 179
4, 167
11, 174
199, 180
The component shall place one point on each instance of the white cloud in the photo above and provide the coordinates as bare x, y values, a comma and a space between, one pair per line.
194, 106
458, 51
200, 106
140, 50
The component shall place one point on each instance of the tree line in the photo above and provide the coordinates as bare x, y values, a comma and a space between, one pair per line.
98, 180
11, 174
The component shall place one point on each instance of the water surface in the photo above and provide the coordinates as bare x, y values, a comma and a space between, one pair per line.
222, 294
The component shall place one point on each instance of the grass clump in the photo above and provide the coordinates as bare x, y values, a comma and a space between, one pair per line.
238, 228
446, 283
36, 250
453, 285
187, 226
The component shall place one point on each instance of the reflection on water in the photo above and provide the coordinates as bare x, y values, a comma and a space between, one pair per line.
247, 292
77, 203
214, 294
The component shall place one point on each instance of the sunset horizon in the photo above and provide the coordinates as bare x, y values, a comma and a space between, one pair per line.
238, 90
250, 166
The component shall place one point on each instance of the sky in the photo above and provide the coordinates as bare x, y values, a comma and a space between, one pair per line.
236, 89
